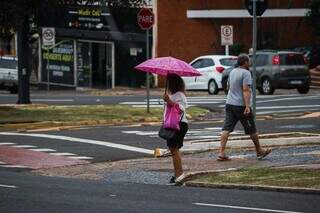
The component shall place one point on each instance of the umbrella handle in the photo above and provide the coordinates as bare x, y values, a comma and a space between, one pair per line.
165, 91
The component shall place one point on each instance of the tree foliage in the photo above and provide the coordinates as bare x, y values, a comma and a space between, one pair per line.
313, 16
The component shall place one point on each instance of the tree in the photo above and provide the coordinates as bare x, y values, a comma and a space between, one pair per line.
22, 15
313, 16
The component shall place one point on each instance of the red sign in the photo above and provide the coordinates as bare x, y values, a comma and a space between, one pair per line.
145, 18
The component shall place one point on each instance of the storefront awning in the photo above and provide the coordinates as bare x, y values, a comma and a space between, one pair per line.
269, 13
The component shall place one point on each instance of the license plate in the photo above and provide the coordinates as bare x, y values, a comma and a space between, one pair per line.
295, 82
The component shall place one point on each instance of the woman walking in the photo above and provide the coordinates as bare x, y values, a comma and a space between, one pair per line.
176, 95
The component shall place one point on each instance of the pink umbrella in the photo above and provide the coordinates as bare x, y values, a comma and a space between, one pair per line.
167, 65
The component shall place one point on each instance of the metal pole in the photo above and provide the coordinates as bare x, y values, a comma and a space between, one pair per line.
227, 49
48, 71
148, 80
254, 49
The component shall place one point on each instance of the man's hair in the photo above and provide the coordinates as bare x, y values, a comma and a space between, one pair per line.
242, 59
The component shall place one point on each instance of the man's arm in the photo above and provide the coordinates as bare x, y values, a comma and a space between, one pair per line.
246, 96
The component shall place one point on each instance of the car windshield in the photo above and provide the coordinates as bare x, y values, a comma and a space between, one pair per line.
291, 59
8, 63
228, 62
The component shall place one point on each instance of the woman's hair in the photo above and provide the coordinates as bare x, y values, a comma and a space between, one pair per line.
175, 84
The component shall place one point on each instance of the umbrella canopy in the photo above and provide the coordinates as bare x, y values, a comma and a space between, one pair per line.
167, 65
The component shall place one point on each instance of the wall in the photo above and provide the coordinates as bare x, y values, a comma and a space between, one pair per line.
186, 39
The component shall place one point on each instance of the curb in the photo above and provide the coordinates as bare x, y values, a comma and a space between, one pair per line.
252, 187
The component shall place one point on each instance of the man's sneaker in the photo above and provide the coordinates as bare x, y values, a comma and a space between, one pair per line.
263, 154
181, 178
172, 181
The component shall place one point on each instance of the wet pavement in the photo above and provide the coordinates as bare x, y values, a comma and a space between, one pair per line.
159, 170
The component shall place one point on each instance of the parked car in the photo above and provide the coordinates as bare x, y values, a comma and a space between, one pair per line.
211, 68
9, 74
279, 70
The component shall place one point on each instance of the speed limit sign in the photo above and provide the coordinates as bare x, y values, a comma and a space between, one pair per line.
48, 36
226, 35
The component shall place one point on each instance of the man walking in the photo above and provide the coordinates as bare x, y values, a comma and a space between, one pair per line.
238, 108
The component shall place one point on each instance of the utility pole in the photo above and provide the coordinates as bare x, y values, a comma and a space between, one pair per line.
23, 63
254, 51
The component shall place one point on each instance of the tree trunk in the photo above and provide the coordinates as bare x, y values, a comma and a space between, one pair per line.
23, 63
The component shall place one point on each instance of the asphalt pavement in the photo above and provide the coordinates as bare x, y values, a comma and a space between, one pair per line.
20, 192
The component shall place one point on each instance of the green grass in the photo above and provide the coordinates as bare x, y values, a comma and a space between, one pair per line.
307, 178
120, 113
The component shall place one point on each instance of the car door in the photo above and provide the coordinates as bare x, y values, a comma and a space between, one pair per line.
207, 71
262, 65
190, 81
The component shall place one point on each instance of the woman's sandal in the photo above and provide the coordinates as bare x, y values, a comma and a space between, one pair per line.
223, 158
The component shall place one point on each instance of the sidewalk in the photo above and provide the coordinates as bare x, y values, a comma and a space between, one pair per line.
159, 170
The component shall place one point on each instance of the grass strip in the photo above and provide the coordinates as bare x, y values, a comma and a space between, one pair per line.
111, 113
304, 178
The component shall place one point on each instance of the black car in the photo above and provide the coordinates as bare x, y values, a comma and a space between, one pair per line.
278, 70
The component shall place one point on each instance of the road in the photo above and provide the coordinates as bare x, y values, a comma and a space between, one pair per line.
20, 192
112, 143
266, 105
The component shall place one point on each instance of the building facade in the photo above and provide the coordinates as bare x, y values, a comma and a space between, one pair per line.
190, 28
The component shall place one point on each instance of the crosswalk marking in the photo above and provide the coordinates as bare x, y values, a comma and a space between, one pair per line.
23, 146
6, 144
208, 134
62, 154
34, 148
43, 150
81, 157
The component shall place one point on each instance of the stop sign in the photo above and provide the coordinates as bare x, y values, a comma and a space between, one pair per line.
145, 18
261, 6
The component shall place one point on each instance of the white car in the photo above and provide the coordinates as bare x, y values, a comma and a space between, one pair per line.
211, 67
9, 73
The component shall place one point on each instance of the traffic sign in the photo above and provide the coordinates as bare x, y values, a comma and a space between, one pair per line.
261, 5
145, 18
226, 35
48, 36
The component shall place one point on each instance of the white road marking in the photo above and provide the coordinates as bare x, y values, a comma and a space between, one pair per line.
82, 158
291, 107
244, 208
291, 98
13, 166
8, 186
54, 100
23, 146
81, 140
5, 144
62, 154
43, 150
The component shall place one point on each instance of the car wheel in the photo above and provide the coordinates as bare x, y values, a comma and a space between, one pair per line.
303, 90
266, 87
212, 87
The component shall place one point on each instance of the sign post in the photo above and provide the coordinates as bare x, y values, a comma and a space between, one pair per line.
226, 37
145, 20
48, 40
255, 8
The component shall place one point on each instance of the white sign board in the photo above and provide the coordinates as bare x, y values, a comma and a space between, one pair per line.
226, 35
48, 36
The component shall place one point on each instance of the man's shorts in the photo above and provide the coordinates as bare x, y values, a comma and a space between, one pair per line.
235, 114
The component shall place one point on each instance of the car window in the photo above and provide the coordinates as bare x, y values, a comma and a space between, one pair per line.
291, 59
228, 62
197, 64
261, 60
8, 63
207, 62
